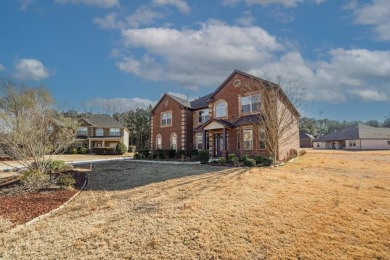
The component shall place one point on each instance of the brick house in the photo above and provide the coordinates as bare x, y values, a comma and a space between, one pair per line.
223, 122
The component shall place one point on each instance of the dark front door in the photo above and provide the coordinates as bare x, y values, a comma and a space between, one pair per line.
218, 145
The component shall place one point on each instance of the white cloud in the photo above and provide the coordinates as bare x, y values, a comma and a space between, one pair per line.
186, 54
284, 3
98, 3
2, 68
117, 105
143, 16
375, 14
109, 21
181, 5
25, 3
246, 20
31, 69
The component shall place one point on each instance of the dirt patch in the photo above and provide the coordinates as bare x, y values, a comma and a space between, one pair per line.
18, 207
319, 206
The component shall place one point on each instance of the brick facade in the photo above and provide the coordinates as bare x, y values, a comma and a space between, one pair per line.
225, 134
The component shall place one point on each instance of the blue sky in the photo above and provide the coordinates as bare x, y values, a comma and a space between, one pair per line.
116, 55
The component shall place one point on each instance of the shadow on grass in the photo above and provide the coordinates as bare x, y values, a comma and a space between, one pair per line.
125, 175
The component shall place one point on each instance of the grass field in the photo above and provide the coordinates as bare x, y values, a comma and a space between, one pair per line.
324, 205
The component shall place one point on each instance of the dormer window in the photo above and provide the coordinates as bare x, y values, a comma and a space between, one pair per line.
220, 109
203, 115
250, 103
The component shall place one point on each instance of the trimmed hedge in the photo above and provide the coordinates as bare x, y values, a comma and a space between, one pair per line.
104, 151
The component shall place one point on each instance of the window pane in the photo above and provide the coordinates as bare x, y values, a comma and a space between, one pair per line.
220, 109
248, 139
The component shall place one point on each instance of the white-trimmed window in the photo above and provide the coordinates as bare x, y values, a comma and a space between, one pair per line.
115, 132
82, 131
248, 138
220, 109
158, 142
203, 115
261, 139
99, 132
166, 118
174, 141
352, 143
250, 103
199, 141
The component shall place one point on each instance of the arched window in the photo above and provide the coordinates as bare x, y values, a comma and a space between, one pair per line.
158, 142
99, 132
220, 109
174, 141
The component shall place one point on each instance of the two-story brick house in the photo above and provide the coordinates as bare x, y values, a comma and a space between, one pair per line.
229, 120
101, 131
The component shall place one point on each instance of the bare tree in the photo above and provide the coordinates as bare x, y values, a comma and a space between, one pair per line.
30, 128
276, 115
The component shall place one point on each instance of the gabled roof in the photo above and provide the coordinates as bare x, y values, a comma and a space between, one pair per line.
248, 119
262, 81
182, 102
358, 131
102, 121
305, 135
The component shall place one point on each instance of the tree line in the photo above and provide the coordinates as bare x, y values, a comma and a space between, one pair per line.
319, 127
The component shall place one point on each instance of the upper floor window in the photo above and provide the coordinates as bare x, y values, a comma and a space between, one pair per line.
99, 132
82, 131
166, 118
174, 141
220, 109
250, 103
158, 141
203, 115
115, 132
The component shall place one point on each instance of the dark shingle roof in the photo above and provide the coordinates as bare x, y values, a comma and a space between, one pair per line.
348, 133
102, 121
305, 135
249, 119
200, 102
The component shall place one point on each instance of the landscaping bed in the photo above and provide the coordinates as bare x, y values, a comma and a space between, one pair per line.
19, 207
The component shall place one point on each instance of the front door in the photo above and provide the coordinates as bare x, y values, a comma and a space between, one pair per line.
218, 145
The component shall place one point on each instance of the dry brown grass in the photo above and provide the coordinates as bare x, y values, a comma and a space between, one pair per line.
322, 205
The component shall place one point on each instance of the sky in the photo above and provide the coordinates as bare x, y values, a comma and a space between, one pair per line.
116, 55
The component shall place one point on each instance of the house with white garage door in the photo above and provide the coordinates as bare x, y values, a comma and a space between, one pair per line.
357, 137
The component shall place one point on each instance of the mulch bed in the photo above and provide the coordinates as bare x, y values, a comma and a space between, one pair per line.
23, 207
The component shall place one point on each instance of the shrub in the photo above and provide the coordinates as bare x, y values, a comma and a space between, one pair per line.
194, 152
244, 158
73, 150
56, 165
66, 181
235, 160
132, 148
104, 150
267, 161
302, 152
158, 154
222, 161
231, 156
34, 180
83, 150
249, 162
120, 148
143, 153
204, 156
171, 153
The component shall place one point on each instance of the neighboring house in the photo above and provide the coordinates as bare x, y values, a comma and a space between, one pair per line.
357, 137
101, 131
223, 122
305, 140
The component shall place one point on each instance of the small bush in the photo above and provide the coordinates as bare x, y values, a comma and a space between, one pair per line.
222, 161
104, 150
33, 180
83, 150
171, 153
144, 153
249, 162
194, 152
120, 148
267, 161
158, 154
56, 165
66, 181
302, 152
231, 156
204, 156
138, 156
73, 150
235, 160
132, 148
244, 158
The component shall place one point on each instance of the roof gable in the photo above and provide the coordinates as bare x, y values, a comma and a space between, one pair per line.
180, 101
